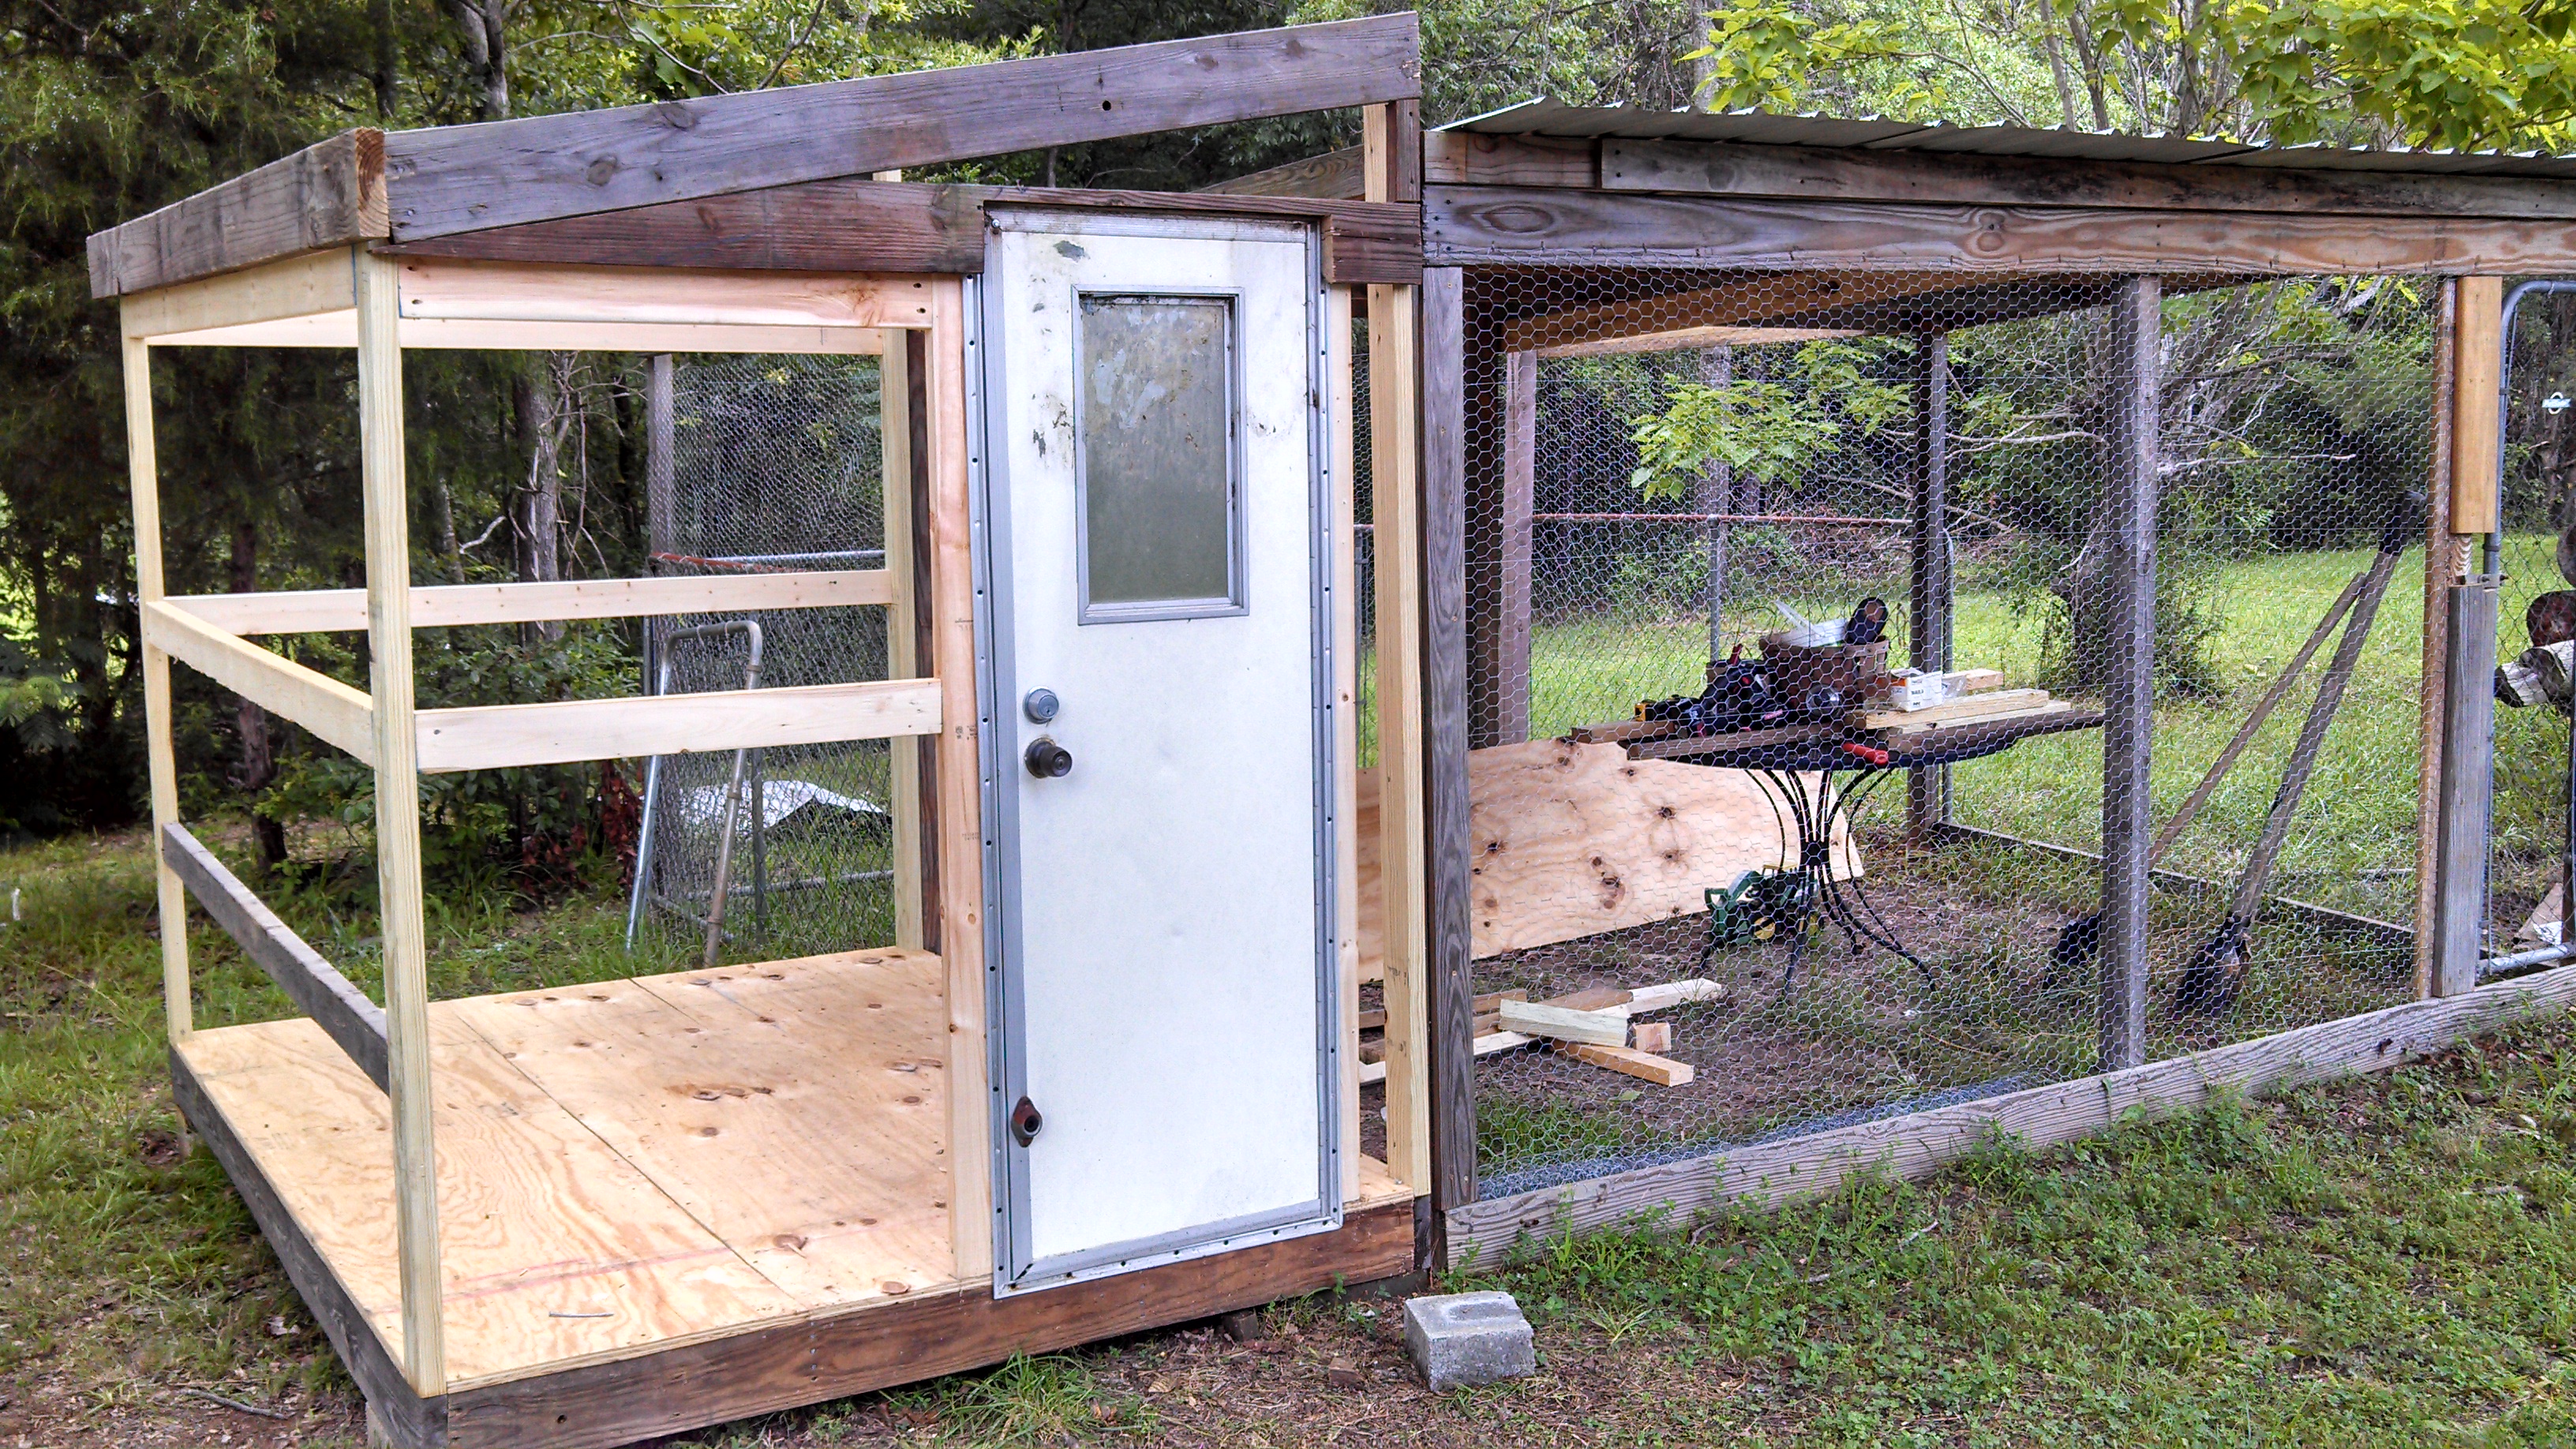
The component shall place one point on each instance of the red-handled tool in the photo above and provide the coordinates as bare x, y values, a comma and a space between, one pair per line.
1871, 753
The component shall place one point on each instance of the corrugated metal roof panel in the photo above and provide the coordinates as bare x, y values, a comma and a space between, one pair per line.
1551, 117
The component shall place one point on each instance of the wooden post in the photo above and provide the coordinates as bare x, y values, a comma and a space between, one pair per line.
956, 810
1716, 494
2442, 568
400, 920
1342, 437
1450, 973
1397, 539
1504, 675
2128, 694
144, 477
903, 755
2468, 705
1927, 791
1392, 171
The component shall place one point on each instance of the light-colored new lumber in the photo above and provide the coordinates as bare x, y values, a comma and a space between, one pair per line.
1404, 947
1920, 1143
499, 736
796, 1108
340, 329
1978, 705
1651, 1036
958, 808
1486, 1043
1340, 470
404, 931
336, 714
2054, 706
1668, 994
316, 611
297, 286
1694, 337
461, 289
903, 617
2478, 416
354, 1024
560, 1251
1631, 1061
1597, 1028
144, 482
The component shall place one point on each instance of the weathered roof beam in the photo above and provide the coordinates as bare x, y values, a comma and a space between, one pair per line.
416, 185
1509, 226
465, 178
1335, 175
328, 194
855, 225
1958, 178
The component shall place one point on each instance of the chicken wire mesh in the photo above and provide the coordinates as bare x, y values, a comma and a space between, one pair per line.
776, 464
1825, 784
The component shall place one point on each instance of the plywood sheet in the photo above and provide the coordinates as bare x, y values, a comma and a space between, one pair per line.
797, 1109
555, 1249
1570, 840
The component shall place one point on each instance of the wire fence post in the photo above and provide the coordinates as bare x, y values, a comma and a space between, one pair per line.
2128, 691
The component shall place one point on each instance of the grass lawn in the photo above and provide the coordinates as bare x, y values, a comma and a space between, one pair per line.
2384, 1262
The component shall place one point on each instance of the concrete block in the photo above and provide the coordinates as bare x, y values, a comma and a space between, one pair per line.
1461, 1340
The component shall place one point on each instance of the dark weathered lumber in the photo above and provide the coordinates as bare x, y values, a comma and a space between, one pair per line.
1335, 175
1370, 251
463, 178
1956, 178
848, 224
1470, 158
1931, 587
1498, 226
409, 1421
858, 225
1920, 1143
328, 194
678, 1389
2127, 593
1450, 979
342, 1011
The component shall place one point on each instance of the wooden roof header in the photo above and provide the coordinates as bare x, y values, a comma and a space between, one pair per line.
406, 186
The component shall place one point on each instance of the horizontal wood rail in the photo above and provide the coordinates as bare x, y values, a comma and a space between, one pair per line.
310, 284
336, 1005
336, 714
491, 737
315, 611
1917, 1144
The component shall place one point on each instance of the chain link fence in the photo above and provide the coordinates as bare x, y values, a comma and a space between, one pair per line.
776, 464
1792, 602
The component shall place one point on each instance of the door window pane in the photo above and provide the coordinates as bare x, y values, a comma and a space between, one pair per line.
1157, 461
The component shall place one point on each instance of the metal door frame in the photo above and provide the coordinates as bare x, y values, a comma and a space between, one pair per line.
1004, 1024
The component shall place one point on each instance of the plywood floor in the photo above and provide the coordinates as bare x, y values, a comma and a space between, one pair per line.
631, 1163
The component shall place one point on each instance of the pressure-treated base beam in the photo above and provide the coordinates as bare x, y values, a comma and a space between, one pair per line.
344, 1013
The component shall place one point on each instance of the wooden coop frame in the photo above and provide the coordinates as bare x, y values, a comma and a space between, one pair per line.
1952, 218
778, 222
532, 1140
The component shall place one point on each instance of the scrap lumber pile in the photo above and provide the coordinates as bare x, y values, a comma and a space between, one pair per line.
1595, 1026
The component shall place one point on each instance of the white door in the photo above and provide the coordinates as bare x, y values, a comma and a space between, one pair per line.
1157, 742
